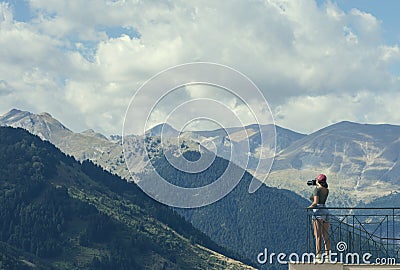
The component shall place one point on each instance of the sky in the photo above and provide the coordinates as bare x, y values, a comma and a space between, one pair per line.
316, 62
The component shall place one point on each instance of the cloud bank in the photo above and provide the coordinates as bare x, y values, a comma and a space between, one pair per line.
83, 60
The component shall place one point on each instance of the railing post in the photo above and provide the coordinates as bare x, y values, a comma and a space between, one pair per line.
393, 228
308, 231
352, 242
387, 234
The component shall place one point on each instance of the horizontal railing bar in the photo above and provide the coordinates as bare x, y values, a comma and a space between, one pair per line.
360, 208
365, 215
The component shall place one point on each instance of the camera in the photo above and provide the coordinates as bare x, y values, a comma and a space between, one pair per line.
312, 182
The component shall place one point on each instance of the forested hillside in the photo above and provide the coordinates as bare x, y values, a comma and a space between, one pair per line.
245, 223
57, 213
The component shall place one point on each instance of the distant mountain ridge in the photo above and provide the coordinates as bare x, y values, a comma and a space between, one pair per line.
359, 159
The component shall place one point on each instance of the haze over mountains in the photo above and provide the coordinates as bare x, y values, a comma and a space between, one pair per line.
359, 159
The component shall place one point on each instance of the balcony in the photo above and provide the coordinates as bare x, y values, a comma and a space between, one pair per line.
361, 238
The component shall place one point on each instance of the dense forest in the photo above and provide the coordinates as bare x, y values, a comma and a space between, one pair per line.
245, 223
57, 213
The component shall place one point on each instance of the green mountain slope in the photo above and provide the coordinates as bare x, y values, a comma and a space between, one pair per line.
245, 223
57, 213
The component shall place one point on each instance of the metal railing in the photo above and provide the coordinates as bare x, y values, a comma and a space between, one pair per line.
361, 230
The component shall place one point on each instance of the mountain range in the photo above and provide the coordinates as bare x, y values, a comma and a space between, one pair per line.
360, 160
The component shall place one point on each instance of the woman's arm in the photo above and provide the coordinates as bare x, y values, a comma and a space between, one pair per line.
314, 203
316, 198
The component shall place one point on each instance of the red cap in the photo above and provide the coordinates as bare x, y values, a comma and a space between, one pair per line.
321, 178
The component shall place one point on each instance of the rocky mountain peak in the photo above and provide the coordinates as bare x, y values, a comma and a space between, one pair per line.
92, 133
45, 114
13, 115
43, 124
163, 128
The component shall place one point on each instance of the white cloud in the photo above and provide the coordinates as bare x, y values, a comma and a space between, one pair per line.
301, 113
390, 53
295, 51
366, 23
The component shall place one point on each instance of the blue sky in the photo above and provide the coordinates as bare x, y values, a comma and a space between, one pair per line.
316, 62
386, 11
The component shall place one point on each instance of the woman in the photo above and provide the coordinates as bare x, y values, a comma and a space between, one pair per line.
320, 216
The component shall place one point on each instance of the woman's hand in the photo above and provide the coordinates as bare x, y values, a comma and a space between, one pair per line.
312, 206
